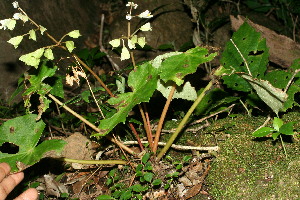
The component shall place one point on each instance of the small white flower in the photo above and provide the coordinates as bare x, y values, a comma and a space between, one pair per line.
145, 14
20, 16
132, 5
128, 17
146, 27
15, 4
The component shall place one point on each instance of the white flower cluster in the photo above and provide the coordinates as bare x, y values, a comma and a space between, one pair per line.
145, 14
133, 39
10, 23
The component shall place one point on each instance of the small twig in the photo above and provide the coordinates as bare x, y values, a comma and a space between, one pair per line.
148, 131
121, 145
216, 113
264, 124
249, 114
178, 147
290, 81
242, 57
114, 65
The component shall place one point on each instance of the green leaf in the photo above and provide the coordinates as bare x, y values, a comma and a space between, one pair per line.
148, 176
139, 174
126, 195
143, 82
25, 133
16, 41
148, 166
157, 182
254, 50
277, 123
139, 188
105, 197
263, 132
33, 58
175, 68
273, 97
275, 135
74, 34
186, 159
32, 35
49, 54
145, 158
70, 46
186, 92
287, 129
139, 167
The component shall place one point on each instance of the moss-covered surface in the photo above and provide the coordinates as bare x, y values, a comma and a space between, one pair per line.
247, 167
251, 168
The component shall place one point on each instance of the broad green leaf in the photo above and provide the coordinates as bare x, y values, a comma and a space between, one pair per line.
277, 123
32, 35
33, 58
175, 68
16, 41
287, 129
115, 43
70, 46
263, 132
143, 82
273, 97
25, 133
74, 34
254, 50
49, 54
186, 92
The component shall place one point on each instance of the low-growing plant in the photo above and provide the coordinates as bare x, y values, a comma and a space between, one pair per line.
244, 64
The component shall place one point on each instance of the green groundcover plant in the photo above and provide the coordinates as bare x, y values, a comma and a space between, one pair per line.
243, 69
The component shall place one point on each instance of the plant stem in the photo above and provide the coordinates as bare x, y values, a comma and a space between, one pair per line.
96, 162
183, 122
162, 118
137, 136
91, 125
283, 146
148, 131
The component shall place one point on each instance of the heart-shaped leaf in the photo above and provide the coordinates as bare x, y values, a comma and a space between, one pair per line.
25, 133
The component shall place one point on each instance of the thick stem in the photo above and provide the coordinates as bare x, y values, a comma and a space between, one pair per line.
162, 118
183, 122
